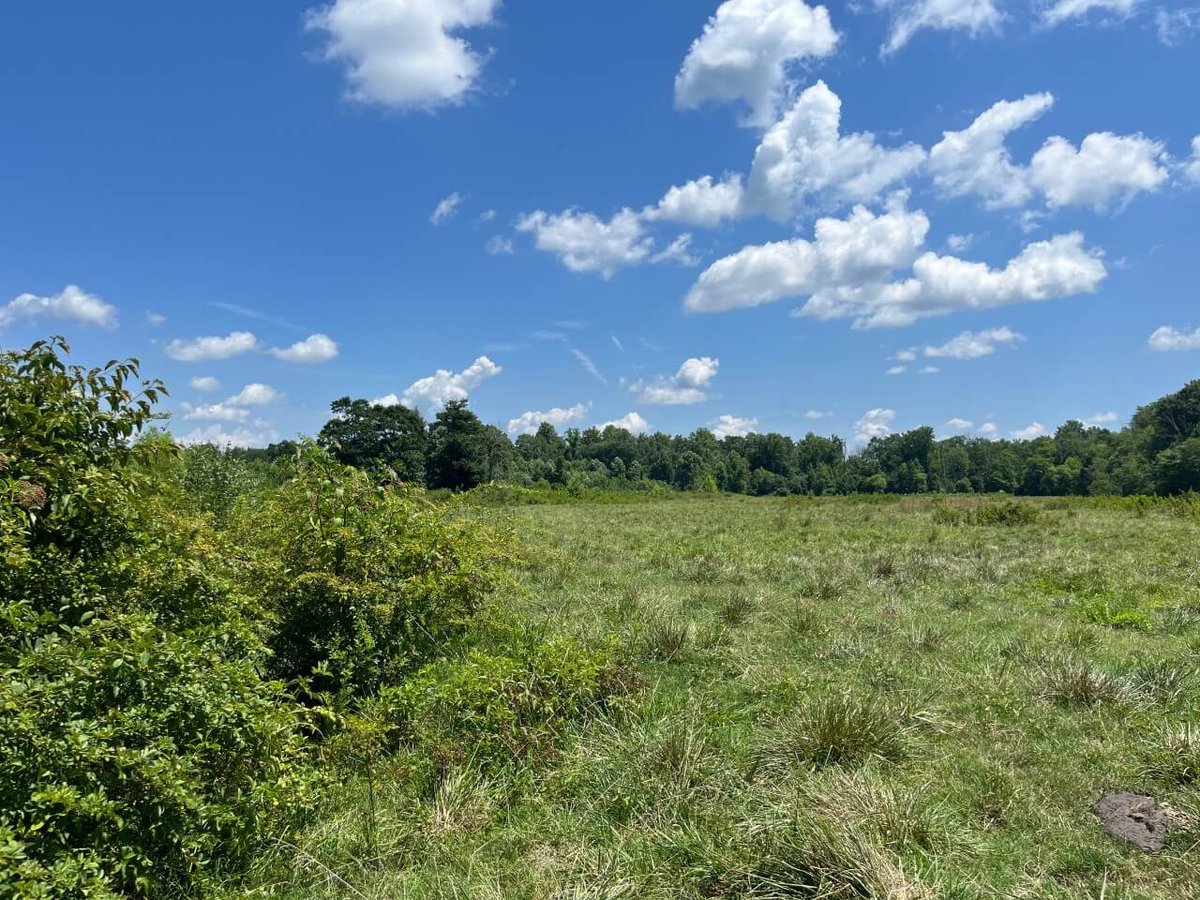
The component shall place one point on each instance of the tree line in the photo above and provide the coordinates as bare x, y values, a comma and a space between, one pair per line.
1158, 452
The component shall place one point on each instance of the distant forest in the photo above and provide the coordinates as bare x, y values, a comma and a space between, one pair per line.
1158, 452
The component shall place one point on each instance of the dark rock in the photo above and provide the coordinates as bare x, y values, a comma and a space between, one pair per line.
1135, 818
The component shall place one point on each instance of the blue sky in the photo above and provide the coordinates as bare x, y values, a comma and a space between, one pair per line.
246, 197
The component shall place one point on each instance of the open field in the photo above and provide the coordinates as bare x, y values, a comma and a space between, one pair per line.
836, 698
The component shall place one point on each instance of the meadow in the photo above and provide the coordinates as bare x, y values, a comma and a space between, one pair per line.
814, 697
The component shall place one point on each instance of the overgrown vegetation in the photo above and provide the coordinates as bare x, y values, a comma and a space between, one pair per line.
227, 675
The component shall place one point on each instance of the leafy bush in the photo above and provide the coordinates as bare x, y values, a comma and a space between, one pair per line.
366, 582
1009, 513
494, 708
139, 746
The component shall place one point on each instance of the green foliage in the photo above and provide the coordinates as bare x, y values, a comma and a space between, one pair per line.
365, 582
1007, 513
139, 746
841, 730
1174, 755
377, 438
1103, 611
496, 708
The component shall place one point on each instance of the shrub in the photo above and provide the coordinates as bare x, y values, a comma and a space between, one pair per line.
139, 746
1008, 513
495, 708
366, 582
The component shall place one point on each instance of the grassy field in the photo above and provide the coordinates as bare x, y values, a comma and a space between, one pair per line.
826, 698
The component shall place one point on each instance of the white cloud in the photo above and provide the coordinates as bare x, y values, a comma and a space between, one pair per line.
1177, 26
1107, 169
316, 348
702, 201
631, 422
586, 243
211, 347
732, 426
907, 355
436, 390
897, 370
803, 161
1100, 419
588, 366
973, 16
688, 385
817, 414
255, 394
260, 434
499, 245
71, 303
404, 54
975, 160
974, 344
1029, 432
204, 383
1044, 270
745, 51
487, 215
874, 423
528, 422
957, 424
863, 248
154, 320
1168, 338
1059, 11
215, 412
447, 208
957, 243
617, 343
988, 429
928, 370
678, 251
1191, 168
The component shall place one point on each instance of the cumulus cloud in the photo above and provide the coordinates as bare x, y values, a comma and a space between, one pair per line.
803, 161
1106, 170
212, 347
1191, 168
215, 412
1169, 338
631, 422
732, 426
1029, 432
863, 248
404, 54
1044, 270
897, 370
154, 319
972, 16
817, 414
1059, 11
957, 243
528, 422
874, 423
974, 344
988, 429
436, 390
316, 348
702, 202
255, 394
204, 383
688, 385
1101, 419
745, 51
257, 435
975, 160
72, 303
586, 243
447, 208
957, 424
